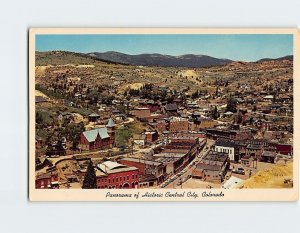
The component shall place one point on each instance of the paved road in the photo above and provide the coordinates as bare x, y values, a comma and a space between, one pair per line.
190, 169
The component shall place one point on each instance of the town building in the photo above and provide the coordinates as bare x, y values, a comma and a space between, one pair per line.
229, 147
47, 180
178, 124
147, 167
98, 138
213, 167
113, 175
178, 153
170, 109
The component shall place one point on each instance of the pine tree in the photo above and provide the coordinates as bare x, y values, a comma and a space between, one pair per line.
215, 113
89, 181
231, 105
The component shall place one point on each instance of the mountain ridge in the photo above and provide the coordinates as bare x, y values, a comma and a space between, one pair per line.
157, 59
146, 59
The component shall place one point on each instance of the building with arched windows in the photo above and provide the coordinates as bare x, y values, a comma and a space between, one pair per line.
99, 138
112, 175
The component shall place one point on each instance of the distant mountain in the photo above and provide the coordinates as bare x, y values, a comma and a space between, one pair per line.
289, 58
155, 59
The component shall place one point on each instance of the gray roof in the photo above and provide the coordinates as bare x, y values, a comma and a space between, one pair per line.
148, 162
110, 123
109, 167
225, 143
171, 107
40, 99
94, 115
92, 134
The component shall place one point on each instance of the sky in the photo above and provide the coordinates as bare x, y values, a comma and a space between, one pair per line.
242, 47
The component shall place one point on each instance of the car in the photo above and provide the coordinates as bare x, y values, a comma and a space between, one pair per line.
239, 170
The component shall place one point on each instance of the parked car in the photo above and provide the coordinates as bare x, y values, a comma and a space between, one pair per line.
239, 170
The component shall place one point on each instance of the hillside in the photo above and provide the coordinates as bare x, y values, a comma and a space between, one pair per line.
63, 58
155, 59
271, 178
288, 58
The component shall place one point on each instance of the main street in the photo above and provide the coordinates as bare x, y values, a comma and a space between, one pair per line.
183, 176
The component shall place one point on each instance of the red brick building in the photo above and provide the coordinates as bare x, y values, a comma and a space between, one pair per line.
285, 149
47, 181
98, 138
112, 175
151, 136
142, 113
178, 124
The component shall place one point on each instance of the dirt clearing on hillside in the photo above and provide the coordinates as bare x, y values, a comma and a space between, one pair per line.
280, 176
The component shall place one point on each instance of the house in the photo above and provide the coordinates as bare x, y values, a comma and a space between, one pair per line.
268, 156
170, 109
94, 117
113, 175
98, 138
139, 139
152, 105
151, 136
65, 116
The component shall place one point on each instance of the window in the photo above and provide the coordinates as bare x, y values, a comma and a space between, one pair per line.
108, 180
127, 177
117, 179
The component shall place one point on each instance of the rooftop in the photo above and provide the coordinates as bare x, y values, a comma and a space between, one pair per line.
110, 123
109, 167
148, 162
225, 143
92, 134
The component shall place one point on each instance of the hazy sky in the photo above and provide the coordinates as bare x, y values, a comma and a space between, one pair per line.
245, 47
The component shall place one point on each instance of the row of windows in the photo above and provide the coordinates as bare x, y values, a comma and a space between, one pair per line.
126, 185
228, 151
118, 179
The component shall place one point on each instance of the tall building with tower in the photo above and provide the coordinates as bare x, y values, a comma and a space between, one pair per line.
98, 138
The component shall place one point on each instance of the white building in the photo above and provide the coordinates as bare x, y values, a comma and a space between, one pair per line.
226, 146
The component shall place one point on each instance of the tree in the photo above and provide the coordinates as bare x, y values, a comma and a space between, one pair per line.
231, 105
254, 108
215, 113
39, 118
89, 181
